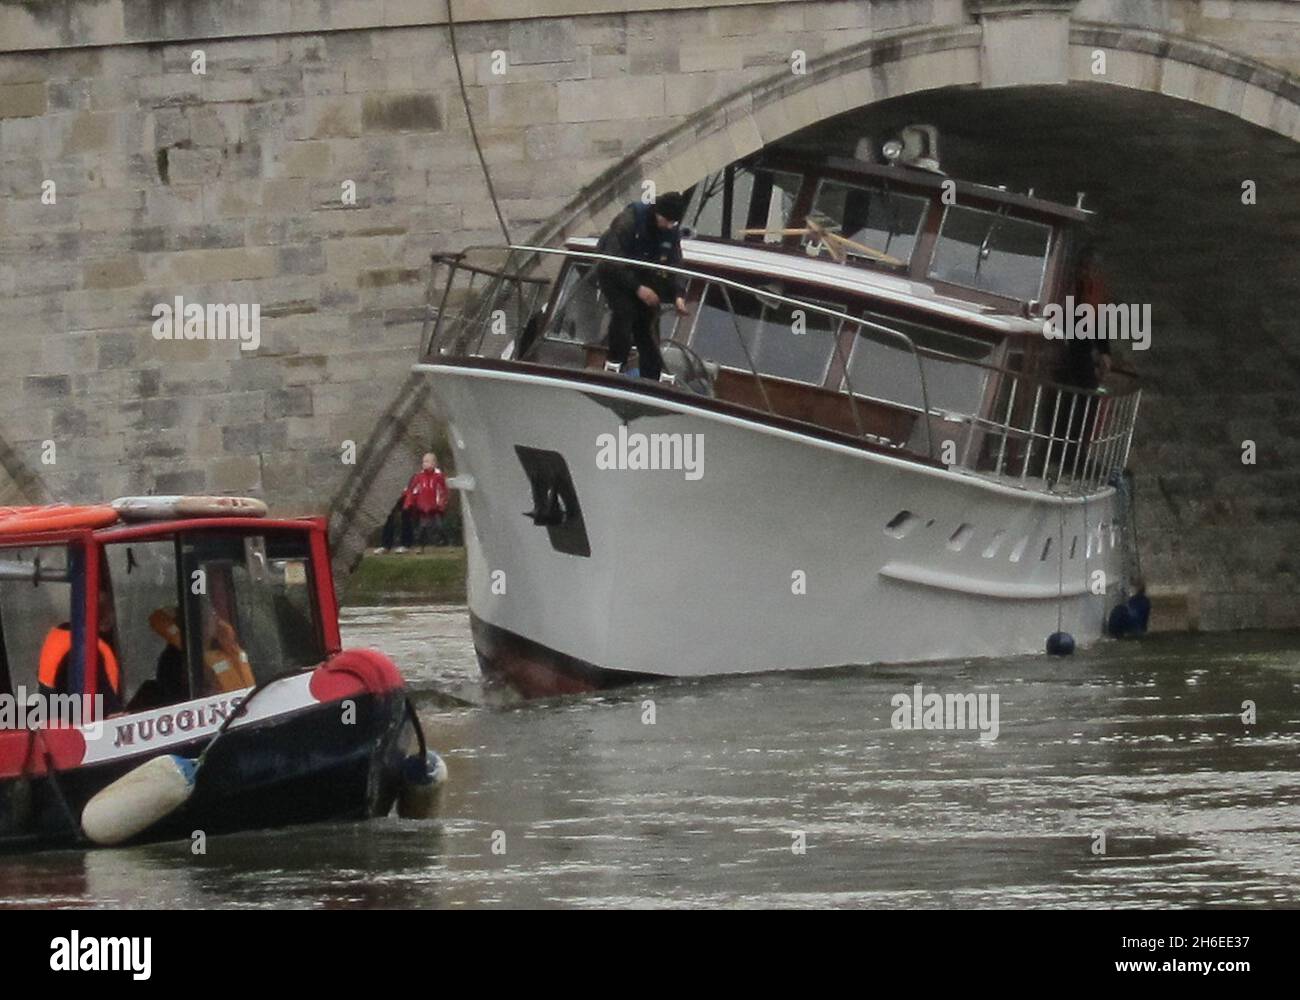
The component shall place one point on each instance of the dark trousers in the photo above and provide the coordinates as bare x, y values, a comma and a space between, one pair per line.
398, 526
429, 529
632, 321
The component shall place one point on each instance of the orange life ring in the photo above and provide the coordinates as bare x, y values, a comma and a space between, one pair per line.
14, 521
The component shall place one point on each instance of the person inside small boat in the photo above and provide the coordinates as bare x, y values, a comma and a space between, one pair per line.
225, 664
167, 686
56, 652
650, 233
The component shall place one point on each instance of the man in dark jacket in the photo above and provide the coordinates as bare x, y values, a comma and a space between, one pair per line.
647, 233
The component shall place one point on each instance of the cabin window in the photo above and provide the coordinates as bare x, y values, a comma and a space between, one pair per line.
991, 252
796, 343
704, 212
580, 315
780, 204
883, 368
719, 331
256, 612
35, 598
150, 628
784, 340
882, 220
762, 200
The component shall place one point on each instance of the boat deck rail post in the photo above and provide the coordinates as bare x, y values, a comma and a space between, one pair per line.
749, 357
1006, 429
1033, 422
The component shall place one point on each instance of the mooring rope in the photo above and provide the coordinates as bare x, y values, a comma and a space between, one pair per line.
1060, 563
473, 131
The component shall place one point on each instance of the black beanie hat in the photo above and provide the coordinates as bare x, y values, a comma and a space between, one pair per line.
672, 206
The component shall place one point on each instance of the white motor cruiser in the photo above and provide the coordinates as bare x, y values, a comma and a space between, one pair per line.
863, 451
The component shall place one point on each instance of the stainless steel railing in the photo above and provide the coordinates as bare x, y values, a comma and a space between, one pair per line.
488, 302
1038, 432
493, 297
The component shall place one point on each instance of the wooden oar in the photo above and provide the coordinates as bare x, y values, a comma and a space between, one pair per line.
812, 229
834, 242
824, 234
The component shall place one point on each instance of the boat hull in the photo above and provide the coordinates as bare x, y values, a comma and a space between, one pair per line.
322, 748
780, 551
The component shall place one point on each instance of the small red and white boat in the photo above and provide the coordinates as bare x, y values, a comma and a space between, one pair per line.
199, 632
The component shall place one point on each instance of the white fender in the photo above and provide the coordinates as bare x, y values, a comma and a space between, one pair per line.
138, 799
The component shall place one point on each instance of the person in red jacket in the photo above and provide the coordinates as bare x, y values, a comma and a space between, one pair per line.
424, 501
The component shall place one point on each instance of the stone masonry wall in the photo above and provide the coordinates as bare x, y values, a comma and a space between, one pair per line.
227, 187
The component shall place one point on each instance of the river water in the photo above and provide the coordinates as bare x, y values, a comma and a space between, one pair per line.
1121, 777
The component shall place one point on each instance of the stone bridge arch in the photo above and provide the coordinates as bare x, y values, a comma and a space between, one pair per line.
1012, 43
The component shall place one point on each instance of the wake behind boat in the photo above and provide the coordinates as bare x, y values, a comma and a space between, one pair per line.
201, 630
861, 449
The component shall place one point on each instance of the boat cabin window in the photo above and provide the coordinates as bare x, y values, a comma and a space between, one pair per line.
883, 368
879, 219
782, 340
35, 599
251, 602
761, 200
991, 252
579, 315
781, 191
150, 632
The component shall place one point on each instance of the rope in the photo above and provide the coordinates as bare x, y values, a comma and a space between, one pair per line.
1127, 494
1133, 523
464, 96
1060, 563
1087, 546
52, 772
419, 729
238, 712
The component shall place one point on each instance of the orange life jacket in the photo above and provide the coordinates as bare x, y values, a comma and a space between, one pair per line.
58, 644
227, 665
